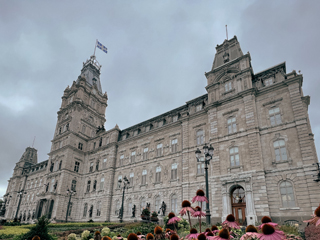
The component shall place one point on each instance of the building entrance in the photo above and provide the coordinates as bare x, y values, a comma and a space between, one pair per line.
238, 203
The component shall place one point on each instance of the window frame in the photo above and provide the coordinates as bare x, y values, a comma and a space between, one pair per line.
144, 177
281, 150
274, 117
133, 157
158, 174
232, 124
285, 204
174, 171
174, 145
76, 166
200, 137
145, 153
159, 149
234, 162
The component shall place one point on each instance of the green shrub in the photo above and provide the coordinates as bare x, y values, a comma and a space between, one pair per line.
290, 229
40, 229
72, 236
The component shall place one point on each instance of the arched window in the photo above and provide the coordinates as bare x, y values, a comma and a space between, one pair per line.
129, 208
52, 185
142, 204
117, 207
158, 174
85, 209
94, 185
157, 203
174, 203
234, 156
287, 195
102, 183
88, 186
73, 185
280, 150
200, 137
98, 208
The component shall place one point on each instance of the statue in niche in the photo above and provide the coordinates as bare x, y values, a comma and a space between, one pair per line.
134, 211
163, 208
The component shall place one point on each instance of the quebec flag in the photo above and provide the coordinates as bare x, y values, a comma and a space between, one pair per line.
103, 48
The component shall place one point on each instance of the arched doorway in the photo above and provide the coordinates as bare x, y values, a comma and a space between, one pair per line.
238, 203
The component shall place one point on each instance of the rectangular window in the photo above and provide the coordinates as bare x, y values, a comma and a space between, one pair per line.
101, 183
91, 167
133, 156
232, 126
94, 145
174, 168
159, 150
121, 160
175, 118
104, 163
76, 166
234, 156
200, 137
268, 82
70, 209
144, 177
228, 87
198, 107
80, 146
174, 145
145, 153
73, 185
131, 176
158, 174
275, 116
200, 166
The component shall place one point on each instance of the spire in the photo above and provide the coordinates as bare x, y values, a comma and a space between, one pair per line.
91, 72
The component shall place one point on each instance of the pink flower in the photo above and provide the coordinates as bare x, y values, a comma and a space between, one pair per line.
271, 223
314, 220
185, 209
192, 235
270, 233
174, 220
198, 213
249, 235
199, 197
231, 224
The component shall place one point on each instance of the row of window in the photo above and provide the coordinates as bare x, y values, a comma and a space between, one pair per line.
149, 127
94, 185
174, 175
159, 152
30, 184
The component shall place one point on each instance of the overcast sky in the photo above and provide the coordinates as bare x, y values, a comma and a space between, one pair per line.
158, 52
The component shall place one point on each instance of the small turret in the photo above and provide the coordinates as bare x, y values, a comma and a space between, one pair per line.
29, 156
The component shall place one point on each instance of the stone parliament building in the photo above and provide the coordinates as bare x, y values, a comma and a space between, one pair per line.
264, 160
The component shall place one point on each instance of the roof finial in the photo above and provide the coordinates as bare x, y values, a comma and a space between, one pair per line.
33, 140
227, 31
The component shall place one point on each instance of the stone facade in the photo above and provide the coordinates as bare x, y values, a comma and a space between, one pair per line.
258, 124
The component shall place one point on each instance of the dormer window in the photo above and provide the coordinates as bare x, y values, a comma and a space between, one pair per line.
226, 57
94, 81
175, 118
268, 82
161, 123
199, 107
228, 86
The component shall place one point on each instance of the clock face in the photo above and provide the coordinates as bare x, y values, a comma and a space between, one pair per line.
94, 91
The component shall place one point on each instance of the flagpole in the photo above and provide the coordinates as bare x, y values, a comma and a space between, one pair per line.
94, 53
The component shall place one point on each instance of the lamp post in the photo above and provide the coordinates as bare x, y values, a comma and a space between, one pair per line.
208, 153
125, 185
70, 193
19, 194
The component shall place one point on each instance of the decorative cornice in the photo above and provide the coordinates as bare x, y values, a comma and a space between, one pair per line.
272, 101
231, 111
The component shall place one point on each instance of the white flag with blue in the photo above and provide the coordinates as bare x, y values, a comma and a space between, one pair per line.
103, 48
